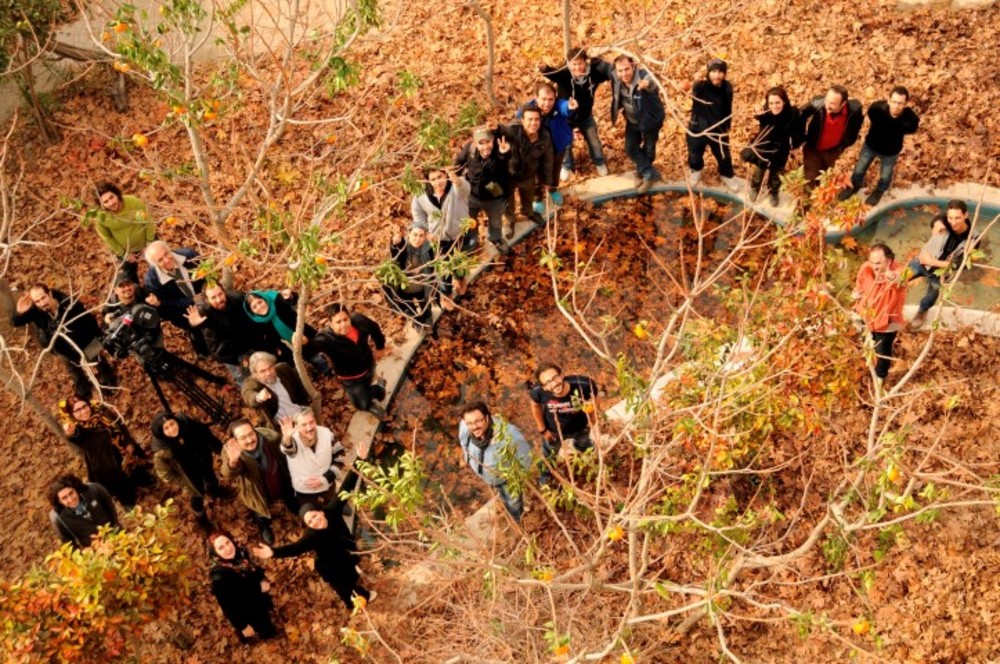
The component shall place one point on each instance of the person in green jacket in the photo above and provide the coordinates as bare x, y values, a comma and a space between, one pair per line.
124, 225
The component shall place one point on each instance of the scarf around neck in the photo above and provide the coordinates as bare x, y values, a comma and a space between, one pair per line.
271, 317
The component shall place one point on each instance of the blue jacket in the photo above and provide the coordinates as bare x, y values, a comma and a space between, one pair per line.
173, 301
484, 462
557, 122
647, 102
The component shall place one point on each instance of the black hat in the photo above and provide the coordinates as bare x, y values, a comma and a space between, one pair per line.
123, 277
717, 64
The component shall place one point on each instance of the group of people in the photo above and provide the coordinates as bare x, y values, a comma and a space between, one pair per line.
282, 454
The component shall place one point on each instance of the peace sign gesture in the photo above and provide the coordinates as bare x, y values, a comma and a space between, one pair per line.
504, 145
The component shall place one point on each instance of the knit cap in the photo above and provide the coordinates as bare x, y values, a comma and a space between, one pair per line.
717, 64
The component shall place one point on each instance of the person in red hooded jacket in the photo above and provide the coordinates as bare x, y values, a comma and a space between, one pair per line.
879, 294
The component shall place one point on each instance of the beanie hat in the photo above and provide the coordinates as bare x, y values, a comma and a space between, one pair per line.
482, 134
419, 223
717, 64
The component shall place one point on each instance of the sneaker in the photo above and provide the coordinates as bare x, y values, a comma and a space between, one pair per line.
846, 193
602, 170
502, 248
732, 184
874, 198
918, 320
644, 186
775, 201
565, 174
377, 410
694, 177
538, 207
556, 198
537, 217
508, 229
266, 534
753, 194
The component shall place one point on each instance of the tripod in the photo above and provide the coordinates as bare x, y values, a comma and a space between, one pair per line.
166, 366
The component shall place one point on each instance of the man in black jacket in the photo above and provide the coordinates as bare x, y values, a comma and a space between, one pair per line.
485, 162
531, 162
890, 121
228, 332
635, 95
70, 330
711, 118
832, 124
79, 510
347, 344
579, 80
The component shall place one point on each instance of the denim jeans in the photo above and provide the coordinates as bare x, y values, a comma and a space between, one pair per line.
361, 392
515, 506
886, 165
588, 128
640, 146
933, 283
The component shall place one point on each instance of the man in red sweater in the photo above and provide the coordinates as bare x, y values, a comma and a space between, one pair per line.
879, 294
832, 124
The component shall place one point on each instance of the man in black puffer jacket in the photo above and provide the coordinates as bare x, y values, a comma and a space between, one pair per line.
711, 118
832, 124
346, 344
485, 163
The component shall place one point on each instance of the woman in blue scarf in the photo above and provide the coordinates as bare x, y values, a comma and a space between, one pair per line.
275, 312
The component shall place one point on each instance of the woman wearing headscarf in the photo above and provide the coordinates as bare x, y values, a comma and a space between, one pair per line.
112, 457
780, 131
79, 510
240, 587
182, 454
275, 312
414, 256
332, 546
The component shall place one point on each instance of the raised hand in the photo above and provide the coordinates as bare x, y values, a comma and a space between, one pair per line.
263, 395
233, 451
287, 427
24, 303
263, 551
69, 428
286, 293
397, 236
194, 317
152, 300
573, 104
504, 145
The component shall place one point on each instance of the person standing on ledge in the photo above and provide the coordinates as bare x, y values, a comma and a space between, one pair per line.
711, 118
832, 124
637, 97
890, 121
492, 446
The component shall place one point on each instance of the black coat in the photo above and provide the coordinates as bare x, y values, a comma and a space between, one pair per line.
187, 459
711, 107
238, 592
77, 325
814, 115
349, 358
778, 134
79, 531
582, 90
230, 334
885, 133
333, 551
480, 172
530, 160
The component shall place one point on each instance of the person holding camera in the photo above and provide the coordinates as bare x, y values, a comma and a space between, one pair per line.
315, 458
72, 332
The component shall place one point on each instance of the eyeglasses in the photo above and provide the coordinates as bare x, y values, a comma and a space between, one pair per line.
80, 408
555, 381
476, 422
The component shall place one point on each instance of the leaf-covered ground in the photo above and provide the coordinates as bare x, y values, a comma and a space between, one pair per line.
936, 599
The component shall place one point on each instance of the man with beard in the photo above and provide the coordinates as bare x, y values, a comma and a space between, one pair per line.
497, 452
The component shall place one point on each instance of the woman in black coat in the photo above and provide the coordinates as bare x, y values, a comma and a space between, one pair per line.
332, 546
780, 131
414, 256
79, 509
112, 457
241, 589
182, 455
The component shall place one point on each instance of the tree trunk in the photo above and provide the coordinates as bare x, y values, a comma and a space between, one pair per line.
316, 399
119, 90
26, 83
490, 50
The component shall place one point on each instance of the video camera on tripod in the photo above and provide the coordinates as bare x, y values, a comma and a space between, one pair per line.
137, 332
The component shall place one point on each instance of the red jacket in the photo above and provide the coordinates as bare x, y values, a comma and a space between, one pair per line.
880, 301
